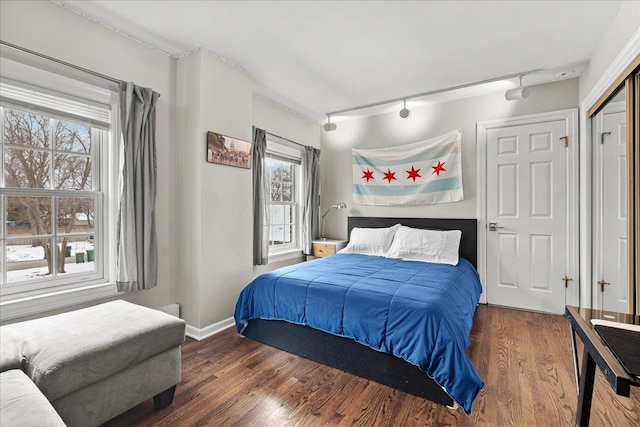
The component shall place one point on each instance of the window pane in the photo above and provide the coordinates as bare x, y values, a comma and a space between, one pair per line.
289, 214
22, 128
28, 216
276, 214
75, 214
288, 235
79, 255
26, 259
277, 234
286, 172
276, 191
287, 192
73, 172
72, 137
26, 168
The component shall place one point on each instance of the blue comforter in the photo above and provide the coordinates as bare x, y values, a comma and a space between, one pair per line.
418, 311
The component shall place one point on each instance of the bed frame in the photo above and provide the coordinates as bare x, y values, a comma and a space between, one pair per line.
348, 355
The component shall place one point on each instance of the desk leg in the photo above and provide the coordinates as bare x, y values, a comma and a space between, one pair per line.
586, 389
576, 369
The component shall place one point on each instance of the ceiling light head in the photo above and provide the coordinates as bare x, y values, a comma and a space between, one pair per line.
329, 127
405, 113
517, 93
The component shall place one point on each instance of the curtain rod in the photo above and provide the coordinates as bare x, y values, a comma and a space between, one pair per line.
433, 92
58, 61
286, 139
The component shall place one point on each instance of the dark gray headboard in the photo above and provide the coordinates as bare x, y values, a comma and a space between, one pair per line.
469, 228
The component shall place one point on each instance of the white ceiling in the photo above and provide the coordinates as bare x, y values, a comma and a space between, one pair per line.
316, 57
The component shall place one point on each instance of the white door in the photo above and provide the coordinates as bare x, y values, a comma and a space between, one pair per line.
527, 202
610, 284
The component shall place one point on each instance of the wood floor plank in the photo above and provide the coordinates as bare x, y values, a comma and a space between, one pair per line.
525, 359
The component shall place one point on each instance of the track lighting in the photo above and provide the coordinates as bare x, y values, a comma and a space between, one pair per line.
405, 113
517, 93
329, 127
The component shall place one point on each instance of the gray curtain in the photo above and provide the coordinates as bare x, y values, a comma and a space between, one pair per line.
311, 208
137, 253
261, 196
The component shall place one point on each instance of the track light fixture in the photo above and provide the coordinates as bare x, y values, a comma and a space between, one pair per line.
329, 127
517, 93
405, 113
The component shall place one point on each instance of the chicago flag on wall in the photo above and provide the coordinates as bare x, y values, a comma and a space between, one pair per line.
415, 174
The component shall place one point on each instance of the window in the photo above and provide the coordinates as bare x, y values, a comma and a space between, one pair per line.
283, 166
53, 206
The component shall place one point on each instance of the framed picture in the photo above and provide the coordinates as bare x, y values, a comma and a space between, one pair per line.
228, 151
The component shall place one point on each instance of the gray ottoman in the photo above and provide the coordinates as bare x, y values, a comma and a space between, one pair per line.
95, 363
22, 404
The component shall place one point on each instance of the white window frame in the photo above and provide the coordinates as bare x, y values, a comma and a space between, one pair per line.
28, 297
283, 151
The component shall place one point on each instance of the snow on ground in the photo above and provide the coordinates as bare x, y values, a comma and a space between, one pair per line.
41, 272
29, 253
16, 253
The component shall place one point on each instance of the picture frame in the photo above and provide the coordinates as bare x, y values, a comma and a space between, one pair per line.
226, 150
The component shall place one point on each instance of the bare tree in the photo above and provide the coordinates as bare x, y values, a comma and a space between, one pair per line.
27, 165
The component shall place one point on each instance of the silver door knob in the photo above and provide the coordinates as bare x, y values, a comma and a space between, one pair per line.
493, 226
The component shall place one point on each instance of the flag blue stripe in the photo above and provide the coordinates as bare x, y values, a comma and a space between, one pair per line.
404, 190
429, 154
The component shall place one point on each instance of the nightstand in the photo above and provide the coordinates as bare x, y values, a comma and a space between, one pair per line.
322, 248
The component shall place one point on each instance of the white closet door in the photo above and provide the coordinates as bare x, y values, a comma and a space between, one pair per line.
610, 281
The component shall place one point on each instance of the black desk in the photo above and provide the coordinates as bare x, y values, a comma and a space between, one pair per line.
596, 353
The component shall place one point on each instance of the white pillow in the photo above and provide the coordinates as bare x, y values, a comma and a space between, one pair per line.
370, 241
440, 246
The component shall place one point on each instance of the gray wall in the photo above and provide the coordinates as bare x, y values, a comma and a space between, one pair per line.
204, 211
387, 130
622, 28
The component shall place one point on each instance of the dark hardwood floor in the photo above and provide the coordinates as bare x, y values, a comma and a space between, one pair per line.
525, 359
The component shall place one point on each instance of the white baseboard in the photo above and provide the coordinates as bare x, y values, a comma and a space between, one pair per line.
207, 331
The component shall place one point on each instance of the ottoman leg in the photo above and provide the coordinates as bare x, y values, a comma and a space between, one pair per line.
164, 399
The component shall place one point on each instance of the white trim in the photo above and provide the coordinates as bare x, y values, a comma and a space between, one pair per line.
481, 206
53, 84
624, 59
202, 333
570, 118
621, 62
275, 146
52, 301
285, 255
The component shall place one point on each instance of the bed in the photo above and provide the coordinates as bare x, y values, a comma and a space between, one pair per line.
381, 330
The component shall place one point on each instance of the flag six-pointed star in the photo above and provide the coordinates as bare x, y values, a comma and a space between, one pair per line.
414, 173
367, 175
390, 175
438, 168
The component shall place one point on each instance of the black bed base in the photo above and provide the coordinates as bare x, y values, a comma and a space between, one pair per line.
347, 355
